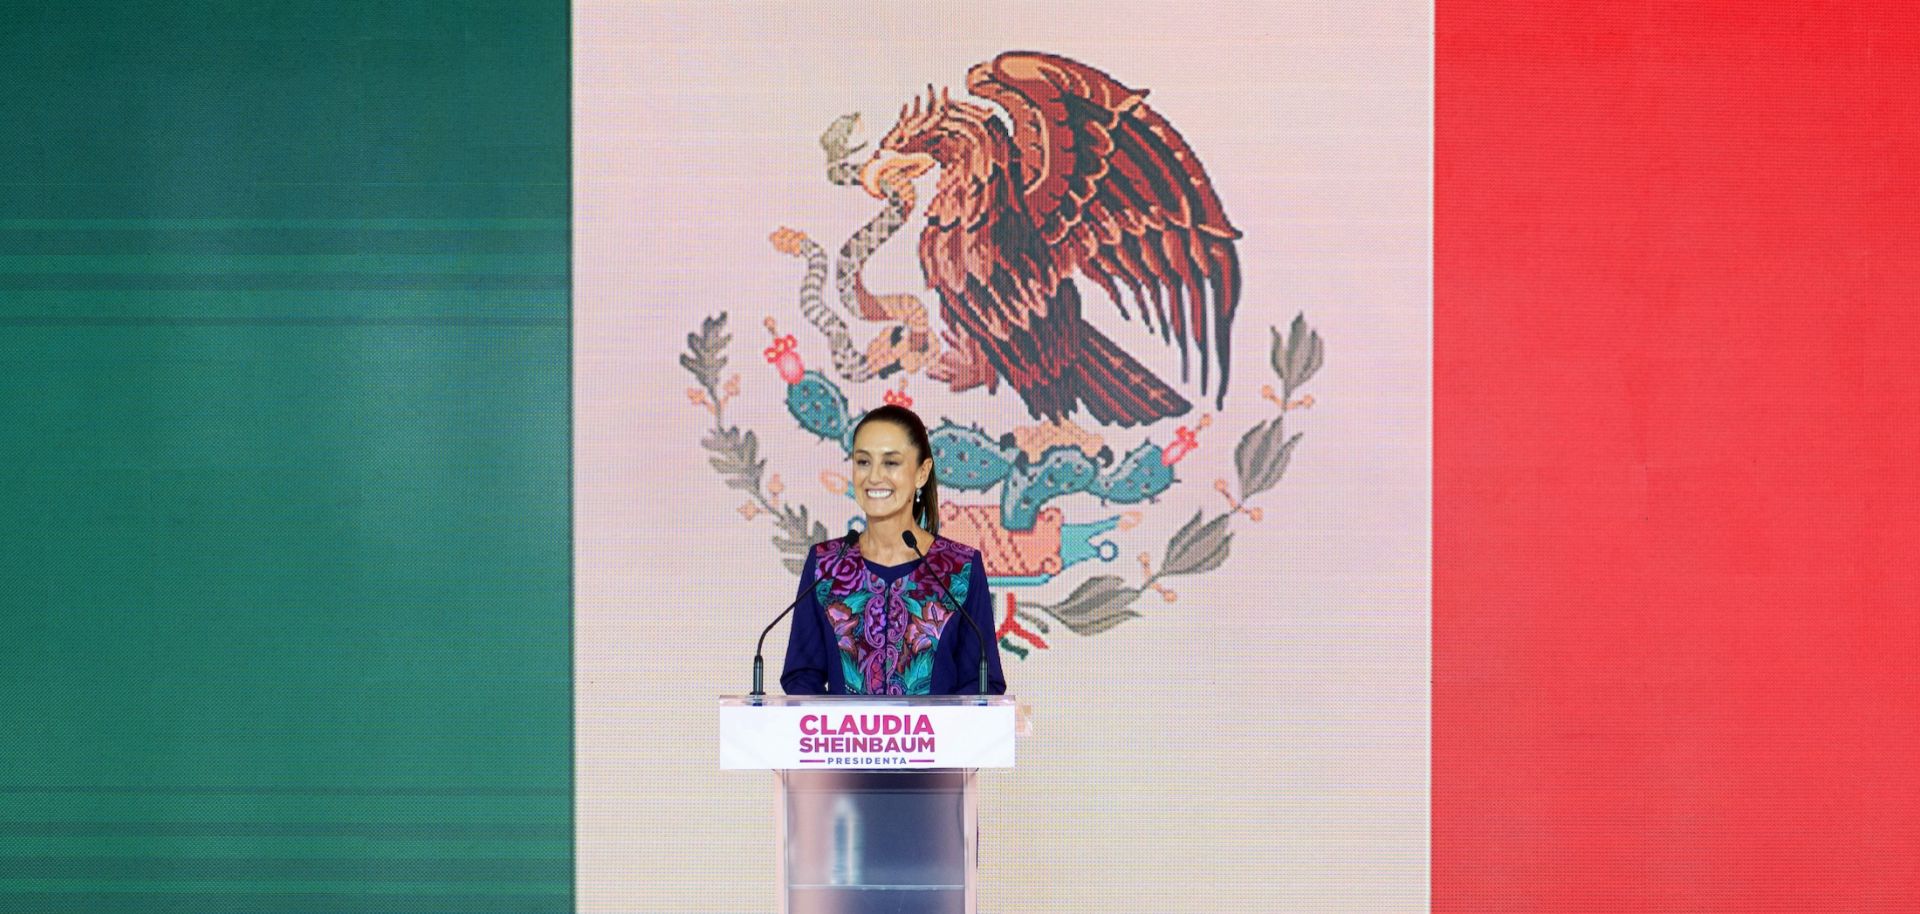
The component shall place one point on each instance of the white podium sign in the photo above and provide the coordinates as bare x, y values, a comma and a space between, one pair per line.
866, 733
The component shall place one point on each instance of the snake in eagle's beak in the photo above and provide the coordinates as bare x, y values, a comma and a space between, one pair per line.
881, 171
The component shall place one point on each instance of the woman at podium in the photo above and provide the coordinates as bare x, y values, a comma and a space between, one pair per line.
894, 609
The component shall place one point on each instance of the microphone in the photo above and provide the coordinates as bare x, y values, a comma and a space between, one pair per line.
760, 664
913, 543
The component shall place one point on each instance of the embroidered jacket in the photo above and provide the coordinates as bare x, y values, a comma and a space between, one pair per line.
867, 629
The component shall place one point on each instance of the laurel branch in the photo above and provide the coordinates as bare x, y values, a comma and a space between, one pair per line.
736, 452
1202, 545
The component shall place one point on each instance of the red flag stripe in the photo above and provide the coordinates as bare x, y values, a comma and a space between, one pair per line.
1676, 509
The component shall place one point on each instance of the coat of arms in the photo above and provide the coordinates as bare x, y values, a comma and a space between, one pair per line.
1076, 190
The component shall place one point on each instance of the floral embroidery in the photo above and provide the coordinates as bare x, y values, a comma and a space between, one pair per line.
887, 633
842, 567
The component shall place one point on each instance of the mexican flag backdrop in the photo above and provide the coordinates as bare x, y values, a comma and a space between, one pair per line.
408, 411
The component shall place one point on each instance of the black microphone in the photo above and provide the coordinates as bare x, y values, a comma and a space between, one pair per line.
913, 543
759, 663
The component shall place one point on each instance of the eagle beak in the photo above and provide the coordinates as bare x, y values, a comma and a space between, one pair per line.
881, 171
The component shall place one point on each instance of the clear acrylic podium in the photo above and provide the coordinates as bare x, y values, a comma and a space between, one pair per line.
877, 811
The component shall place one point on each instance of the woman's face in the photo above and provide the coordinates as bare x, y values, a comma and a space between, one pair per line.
887, 470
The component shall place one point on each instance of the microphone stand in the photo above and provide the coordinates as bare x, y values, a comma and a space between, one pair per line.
979, 633
759, 664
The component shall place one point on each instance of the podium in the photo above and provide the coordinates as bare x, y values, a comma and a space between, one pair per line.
877, 811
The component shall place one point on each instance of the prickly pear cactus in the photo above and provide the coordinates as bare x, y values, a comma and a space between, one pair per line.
968, 458
820, 407
972, 460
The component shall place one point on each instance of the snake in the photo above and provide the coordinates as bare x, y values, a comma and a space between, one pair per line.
910, 345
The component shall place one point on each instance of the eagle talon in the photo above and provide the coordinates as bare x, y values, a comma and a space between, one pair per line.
963, 366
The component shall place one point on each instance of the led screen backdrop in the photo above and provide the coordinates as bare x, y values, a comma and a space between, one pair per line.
1217, 614
289, 572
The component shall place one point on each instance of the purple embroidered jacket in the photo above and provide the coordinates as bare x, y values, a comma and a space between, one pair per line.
867, 629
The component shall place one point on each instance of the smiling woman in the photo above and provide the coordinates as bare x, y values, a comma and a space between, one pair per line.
877, 616
894, 481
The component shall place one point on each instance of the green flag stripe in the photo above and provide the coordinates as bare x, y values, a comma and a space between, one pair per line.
388, 830
373, 301
461, 263
543, 318
276, 282
553, 844
360, 869
284, 365
204, 902
354, 225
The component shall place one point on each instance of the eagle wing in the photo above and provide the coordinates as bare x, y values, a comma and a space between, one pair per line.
1115, 191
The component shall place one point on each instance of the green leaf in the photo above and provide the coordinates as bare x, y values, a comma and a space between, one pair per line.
1099, 603
797, 530
851, 674
1298, 355
796, 536
1262, 457
736, 457
706, 351
1197, 547
919, 674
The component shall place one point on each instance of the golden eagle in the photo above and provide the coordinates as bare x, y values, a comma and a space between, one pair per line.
1092, 179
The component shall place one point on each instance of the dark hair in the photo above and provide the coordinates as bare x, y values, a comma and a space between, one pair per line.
927, 503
